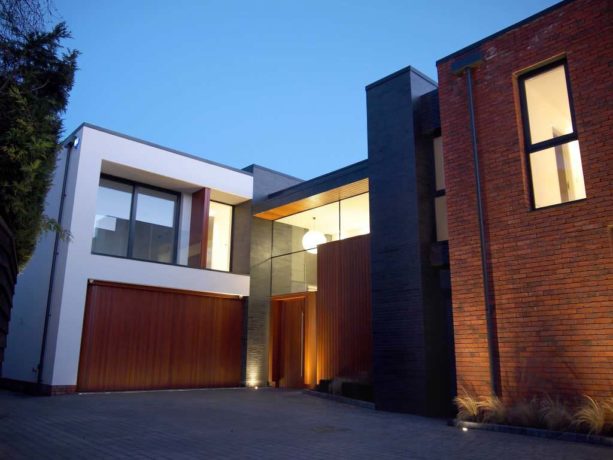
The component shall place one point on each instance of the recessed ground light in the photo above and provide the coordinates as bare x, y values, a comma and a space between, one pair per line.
464, 428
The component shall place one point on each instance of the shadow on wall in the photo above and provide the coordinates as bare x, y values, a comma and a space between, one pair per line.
8, 279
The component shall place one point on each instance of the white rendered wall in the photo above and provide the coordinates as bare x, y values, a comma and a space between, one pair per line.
30, 300
96, 147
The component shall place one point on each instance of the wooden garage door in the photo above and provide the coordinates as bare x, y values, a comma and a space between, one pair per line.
137, 337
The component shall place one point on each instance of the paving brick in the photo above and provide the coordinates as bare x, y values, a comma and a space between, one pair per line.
243, 423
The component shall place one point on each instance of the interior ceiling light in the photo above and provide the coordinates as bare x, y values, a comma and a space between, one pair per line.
312, 239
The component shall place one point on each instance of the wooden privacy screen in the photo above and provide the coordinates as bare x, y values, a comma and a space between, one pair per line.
344, 324
136, 337
337, 337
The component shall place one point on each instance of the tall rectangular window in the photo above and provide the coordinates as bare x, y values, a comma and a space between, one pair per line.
550, 135
440, 200
219, 236
135, 221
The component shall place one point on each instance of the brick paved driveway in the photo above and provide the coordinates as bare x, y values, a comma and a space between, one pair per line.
244, 423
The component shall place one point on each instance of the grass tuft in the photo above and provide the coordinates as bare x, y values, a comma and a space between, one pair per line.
591, 416
468, 407
492, 409
525, 413
555, 414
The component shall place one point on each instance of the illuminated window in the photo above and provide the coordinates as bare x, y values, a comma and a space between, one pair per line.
294, 257
550, 136
135, 221
219, 236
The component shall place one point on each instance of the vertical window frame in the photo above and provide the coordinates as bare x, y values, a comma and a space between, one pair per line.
529, 147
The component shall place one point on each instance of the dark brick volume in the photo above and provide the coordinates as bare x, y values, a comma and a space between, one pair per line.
552, 267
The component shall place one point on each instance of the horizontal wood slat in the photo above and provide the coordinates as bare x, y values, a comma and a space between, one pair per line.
137, 338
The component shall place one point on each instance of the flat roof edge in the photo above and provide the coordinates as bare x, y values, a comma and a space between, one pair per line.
504, 31
151, 144
407, 69
274, 171
337, 172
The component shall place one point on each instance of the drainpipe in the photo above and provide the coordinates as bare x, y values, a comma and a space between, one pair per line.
465, 65
43, 348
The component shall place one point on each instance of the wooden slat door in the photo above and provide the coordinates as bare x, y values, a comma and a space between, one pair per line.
292, 344
137, 337
292, 340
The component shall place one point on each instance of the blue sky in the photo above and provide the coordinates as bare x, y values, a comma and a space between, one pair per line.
277, 83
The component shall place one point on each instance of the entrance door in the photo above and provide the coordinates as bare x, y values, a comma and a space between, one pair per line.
292, 340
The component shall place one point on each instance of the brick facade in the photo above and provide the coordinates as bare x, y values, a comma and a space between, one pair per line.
551, 268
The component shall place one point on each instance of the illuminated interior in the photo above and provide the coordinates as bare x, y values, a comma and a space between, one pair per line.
219, 236
557, 173
294, 263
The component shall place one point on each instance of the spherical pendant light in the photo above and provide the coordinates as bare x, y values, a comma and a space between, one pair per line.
312, 239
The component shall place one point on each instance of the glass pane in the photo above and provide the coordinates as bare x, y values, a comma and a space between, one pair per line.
295, 272
112, 224
289, 232
154, 229
439, 164
219, 236
440, 208
355, 219
557, 175
548, 105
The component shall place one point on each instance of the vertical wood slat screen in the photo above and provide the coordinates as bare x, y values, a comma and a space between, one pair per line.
344, 323
141, 338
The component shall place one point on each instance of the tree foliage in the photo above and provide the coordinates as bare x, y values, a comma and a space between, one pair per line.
36, 75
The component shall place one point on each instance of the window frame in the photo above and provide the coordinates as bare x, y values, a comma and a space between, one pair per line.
231, 255
530, 147
132, 226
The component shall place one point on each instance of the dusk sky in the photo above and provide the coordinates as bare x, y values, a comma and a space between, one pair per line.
277, 83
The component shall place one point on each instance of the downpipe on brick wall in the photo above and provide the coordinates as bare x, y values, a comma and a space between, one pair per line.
465, 67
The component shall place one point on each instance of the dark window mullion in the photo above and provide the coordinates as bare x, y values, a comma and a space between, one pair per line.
553, 142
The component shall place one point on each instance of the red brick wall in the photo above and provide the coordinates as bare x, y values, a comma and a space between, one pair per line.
552, 268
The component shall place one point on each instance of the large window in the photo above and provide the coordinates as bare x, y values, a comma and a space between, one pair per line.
296, 237
135, 221
550, 136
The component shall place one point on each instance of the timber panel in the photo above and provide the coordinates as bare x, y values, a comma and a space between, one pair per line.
137, 338
292, 351
344, 325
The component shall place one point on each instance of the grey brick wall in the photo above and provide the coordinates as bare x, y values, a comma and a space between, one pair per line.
265, 182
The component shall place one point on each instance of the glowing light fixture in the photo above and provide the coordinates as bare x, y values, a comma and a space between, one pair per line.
464, 428
312, 239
